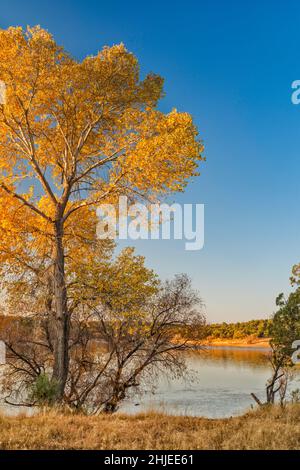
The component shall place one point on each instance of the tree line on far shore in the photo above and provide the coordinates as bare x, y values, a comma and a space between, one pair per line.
239, 330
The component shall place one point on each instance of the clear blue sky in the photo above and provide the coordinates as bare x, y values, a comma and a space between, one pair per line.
230, 64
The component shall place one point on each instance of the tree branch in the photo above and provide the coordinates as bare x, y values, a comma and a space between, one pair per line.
25, 202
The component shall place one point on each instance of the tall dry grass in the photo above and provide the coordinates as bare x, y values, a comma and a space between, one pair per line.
261, 429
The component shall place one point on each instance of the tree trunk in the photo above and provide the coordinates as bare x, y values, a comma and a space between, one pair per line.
61, 315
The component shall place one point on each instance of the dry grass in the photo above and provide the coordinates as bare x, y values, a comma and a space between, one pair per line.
262, 429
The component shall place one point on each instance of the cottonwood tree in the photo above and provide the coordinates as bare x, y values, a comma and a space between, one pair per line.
73, 134
126, 327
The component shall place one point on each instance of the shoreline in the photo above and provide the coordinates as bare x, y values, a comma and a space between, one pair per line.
246, 343
240, 343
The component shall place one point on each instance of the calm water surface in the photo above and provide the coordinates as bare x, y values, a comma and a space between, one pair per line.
224, 379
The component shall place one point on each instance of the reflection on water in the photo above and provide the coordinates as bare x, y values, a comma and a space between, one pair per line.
223, 380
255, 357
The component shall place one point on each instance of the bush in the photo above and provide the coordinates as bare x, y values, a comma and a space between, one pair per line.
44, 390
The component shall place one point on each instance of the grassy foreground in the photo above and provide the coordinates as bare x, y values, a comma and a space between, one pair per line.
260, 429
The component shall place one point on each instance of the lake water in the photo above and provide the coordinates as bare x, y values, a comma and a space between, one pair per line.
224, 379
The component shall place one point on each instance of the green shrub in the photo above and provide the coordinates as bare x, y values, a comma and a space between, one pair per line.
43, 390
